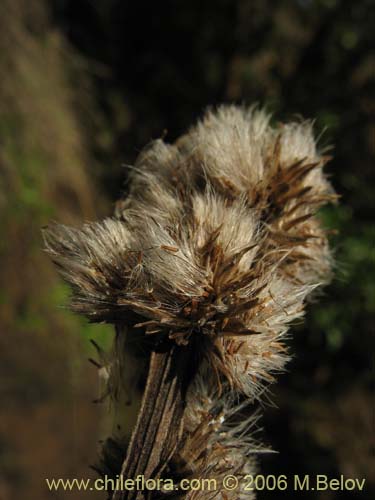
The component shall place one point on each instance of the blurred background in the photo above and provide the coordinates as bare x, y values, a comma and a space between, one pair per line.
85, 84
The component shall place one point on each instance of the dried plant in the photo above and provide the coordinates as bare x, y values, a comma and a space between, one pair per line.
211, 256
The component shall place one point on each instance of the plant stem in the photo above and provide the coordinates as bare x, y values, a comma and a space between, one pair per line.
159, 424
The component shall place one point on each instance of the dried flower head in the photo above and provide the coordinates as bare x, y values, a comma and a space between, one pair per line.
218, 440
211, 256
217, 241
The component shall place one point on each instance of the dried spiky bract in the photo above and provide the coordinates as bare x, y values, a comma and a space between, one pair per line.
217, 245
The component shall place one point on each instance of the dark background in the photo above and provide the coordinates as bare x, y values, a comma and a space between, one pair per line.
84, 86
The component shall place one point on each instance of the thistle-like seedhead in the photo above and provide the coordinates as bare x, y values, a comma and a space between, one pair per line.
216, 244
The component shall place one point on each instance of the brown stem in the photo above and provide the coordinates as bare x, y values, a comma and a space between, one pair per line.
159, 424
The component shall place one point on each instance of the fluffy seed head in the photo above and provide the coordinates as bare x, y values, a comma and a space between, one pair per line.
218, 440
217, 243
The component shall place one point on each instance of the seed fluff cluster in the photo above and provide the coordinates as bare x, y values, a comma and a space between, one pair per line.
216, 245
